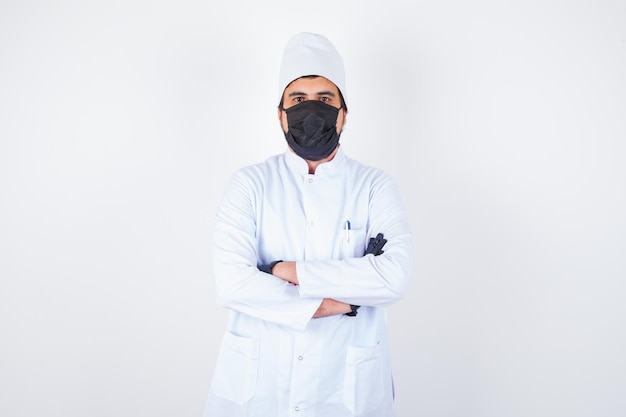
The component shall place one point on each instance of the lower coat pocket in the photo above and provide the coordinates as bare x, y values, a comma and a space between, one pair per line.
362, 385
236, 369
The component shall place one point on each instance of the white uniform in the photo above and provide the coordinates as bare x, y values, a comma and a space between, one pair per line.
275, 360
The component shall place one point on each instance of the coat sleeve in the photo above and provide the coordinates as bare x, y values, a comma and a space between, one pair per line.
369, 280
240, 285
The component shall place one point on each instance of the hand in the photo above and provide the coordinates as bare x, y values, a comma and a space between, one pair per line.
330, 307
286, 270
375, 245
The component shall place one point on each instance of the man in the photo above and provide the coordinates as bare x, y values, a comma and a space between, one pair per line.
309, 247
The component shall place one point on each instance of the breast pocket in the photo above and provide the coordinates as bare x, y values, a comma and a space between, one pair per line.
236, 369
362, 384
351, 243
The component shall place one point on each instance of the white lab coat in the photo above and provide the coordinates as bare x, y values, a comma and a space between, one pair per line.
275, 360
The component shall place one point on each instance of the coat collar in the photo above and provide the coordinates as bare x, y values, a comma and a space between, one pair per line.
298, 165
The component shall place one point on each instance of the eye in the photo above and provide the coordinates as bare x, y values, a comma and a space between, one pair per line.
298, 99
325, 99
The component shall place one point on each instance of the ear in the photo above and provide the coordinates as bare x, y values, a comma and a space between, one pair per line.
345, 118
282, 124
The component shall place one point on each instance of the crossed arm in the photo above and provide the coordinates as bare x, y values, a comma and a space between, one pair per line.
329, 307
287, 271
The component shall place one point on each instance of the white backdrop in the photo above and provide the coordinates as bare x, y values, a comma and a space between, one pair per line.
503, 122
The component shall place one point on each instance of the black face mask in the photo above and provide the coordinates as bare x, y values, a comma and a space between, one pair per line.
312, 130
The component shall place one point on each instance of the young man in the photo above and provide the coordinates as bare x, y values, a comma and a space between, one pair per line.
309, 248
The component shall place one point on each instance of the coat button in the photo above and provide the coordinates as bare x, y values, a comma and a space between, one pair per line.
296, 408
300, 358
310, 180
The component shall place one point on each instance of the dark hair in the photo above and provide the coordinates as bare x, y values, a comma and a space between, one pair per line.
341, 100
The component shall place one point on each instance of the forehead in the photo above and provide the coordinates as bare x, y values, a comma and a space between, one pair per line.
311, 85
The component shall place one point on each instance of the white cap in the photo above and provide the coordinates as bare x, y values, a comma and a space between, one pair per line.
311, 54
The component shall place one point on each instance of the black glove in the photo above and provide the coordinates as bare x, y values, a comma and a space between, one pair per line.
376, 244
268, 267
375, 247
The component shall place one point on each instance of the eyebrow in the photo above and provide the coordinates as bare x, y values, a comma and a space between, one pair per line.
321, 93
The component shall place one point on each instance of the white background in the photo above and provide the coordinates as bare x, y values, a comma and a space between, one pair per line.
503, 122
